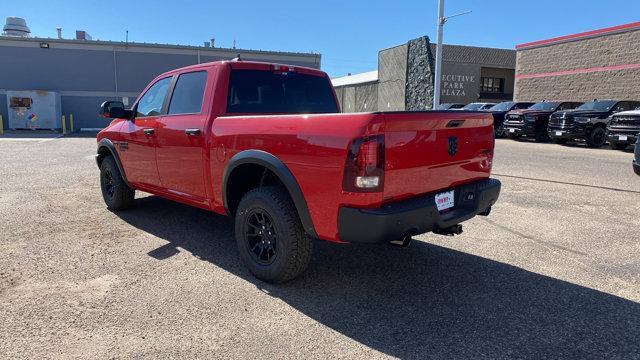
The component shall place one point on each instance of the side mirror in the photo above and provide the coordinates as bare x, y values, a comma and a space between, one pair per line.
115, 109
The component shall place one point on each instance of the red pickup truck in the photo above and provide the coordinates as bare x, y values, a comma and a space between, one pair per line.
266, 144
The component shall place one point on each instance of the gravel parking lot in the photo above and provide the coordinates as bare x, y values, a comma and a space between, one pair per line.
553, 272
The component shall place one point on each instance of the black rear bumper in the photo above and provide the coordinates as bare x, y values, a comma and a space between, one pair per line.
415, 216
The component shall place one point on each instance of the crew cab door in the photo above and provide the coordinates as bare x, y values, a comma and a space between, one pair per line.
138, 146
181, 137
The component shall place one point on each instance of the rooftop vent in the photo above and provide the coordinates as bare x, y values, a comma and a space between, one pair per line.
16, 26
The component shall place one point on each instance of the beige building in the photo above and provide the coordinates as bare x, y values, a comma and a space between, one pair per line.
404, 78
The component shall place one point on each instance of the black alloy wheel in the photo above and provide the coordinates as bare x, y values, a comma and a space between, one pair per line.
108, 183
597, 137
261, 236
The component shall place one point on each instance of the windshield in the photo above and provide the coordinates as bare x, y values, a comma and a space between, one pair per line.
605, 105
473, 106
266, 92
503, 106
545, 106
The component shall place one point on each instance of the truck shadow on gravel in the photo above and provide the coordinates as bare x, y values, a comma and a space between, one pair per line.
425, 301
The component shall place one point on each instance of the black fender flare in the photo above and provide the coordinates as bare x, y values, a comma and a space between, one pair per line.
105, 145
283, 173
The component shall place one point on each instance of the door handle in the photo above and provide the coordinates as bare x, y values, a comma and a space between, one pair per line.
192, 132
148, 131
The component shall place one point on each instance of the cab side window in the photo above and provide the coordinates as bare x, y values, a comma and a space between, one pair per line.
567, 106
188, 93
151, 102
623, 106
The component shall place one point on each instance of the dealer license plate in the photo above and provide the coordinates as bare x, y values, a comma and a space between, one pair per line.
444, 200
622, 137
559, 133
512, 130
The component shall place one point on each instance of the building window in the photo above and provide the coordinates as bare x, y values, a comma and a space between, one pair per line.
492, 85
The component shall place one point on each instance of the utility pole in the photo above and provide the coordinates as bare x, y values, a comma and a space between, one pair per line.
437, 82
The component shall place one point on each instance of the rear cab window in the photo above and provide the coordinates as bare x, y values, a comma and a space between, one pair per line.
278, 92
188, 93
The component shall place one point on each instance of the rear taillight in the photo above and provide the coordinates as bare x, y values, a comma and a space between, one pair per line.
487, 162
364, 168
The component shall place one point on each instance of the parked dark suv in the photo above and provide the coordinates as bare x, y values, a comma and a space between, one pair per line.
588, 122
533, 122
500, 110
623, 129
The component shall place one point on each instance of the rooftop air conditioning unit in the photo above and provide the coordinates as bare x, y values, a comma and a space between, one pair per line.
16, 26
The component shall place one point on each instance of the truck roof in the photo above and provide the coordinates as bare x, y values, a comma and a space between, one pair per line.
247, 65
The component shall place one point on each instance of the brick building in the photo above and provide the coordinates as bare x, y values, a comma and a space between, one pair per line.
598, 64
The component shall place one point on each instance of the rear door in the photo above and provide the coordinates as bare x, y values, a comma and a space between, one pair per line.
138, 146
181, 137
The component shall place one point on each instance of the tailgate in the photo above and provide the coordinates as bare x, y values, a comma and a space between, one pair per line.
435, 150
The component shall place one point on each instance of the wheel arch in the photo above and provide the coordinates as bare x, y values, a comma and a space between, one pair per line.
107, 148
263, 159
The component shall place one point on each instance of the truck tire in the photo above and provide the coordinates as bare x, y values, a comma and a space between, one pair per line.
542, 135
271, 240
115, 192
617, 145
597, 137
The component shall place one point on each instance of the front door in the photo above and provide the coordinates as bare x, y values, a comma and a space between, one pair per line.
180, 136
138, 145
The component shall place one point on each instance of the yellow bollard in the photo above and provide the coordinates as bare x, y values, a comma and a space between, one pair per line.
1, 126
71, 122
64, 125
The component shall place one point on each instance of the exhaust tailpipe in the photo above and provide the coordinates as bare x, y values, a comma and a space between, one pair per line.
486, 212
450, 231
403, 242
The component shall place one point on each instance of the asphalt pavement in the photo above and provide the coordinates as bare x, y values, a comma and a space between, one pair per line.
553, 272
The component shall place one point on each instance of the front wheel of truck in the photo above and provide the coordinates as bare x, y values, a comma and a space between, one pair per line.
115, 192
271, 240
597, 137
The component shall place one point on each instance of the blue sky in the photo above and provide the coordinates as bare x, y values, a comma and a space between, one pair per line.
348, 34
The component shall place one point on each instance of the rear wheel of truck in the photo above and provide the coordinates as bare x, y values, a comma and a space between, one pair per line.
115, 192
596, 138
617, 145
271, 240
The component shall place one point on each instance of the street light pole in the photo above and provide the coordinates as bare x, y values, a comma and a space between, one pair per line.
437, 82
438, 76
